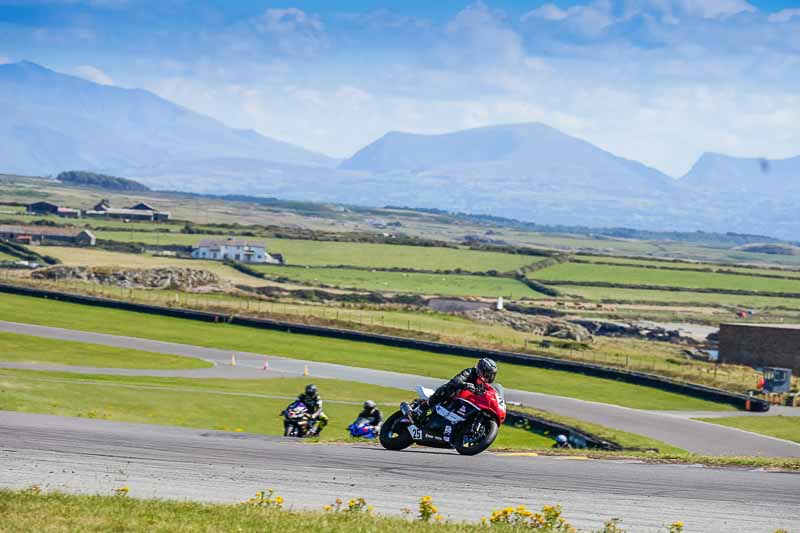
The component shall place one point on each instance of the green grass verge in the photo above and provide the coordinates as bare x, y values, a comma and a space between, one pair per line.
666, 264
613, 294
30, 511
782, 427
323, 253
450, 285
28, 349
252, 406
630, 441
359, 354
6, 257
668, 278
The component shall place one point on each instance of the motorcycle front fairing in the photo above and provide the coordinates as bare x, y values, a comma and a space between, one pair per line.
440, 425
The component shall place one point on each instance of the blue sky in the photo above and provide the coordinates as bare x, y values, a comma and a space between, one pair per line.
660, 81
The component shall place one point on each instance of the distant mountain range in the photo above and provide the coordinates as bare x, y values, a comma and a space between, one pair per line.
54, 122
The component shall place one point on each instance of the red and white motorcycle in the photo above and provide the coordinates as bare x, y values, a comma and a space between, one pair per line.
469, 422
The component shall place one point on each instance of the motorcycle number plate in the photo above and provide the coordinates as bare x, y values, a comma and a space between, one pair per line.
416, 433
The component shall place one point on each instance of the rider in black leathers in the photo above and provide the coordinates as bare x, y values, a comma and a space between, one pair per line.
313, 402
371, 413
469, 378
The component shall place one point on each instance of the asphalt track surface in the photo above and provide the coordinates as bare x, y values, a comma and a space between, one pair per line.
94, 456
676, 429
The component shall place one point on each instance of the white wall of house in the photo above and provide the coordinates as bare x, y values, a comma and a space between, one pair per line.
241, 254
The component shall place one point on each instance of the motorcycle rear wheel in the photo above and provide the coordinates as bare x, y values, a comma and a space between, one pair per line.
395, 438
477, 446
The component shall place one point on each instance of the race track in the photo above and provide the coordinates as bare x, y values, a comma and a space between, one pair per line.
94, 456
673, 428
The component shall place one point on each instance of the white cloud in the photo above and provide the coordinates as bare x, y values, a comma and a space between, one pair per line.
295, 31
658, 81
785, 15
5, 60
93, 74
546, 12
478, 34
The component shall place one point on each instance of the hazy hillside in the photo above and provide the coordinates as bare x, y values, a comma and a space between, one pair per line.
764, 177
54, 122
531, 172
523, 156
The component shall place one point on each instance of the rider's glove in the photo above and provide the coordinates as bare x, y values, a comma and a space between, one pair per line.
470, 387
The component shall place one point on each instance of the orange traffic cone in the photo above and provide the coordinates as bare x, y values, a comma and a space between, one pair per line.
305, 370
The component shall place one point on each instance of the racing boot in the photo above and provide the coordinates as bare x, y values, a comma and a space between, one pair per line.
415, 414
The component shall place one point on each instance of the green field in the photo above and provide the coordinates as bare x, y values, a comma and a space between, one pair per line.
27, 349
782, 427
666, 265
7, 257
225, 336
612, 294
252, 406
449, 285
325, 253
581, 272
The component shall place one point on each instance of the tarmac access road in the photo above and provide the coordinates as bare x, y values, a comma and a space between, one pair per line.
670, 427
94, 456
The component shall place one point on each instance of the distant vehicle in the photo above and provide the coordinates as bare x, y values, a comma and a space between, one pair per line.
469, 423
297, 421
775, 385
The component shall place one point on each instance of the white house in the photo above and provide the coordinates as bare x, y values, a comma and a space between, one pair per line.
233, 249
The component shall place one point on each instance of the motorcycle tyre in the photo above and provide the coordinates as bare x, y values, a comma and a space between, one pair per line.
403, 439
491, 434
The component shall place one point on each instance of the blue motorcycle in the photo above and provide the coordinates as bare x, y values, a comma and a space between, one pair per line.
362, 428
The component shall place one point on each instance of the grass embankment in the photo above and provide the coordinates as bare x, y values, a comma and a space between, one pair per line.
6, 257
359, 354
252, 406
28, 349
630, 275
629, 441
382, 281
372, 255
782, 427
30, 511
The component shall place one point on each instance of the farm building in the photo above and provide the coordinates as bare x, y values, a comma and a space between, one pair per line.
140, 211
233, 249
46, 235
47, 208
759, 345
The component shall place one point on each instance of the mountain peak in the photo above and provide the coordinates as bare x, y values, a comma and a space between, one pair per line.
55, 121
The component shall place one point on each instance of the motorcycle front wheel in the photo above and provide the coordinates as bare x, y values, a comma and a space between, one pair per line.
477, 436
394, 434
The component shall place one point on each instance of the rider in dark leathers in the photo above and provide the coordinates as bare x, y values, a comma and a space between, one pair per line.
371, 413
313, 402
469, 378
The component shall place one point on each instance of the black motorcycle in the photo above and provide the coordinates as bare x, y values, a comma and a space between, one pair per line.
297, 421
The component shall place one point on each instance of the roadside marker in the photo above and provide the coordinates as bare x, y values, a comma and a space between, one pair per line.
305, 370
266, 365
233, 359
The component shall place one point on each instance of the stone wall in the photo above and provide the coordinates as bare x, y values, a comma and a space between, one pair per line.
757, 345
